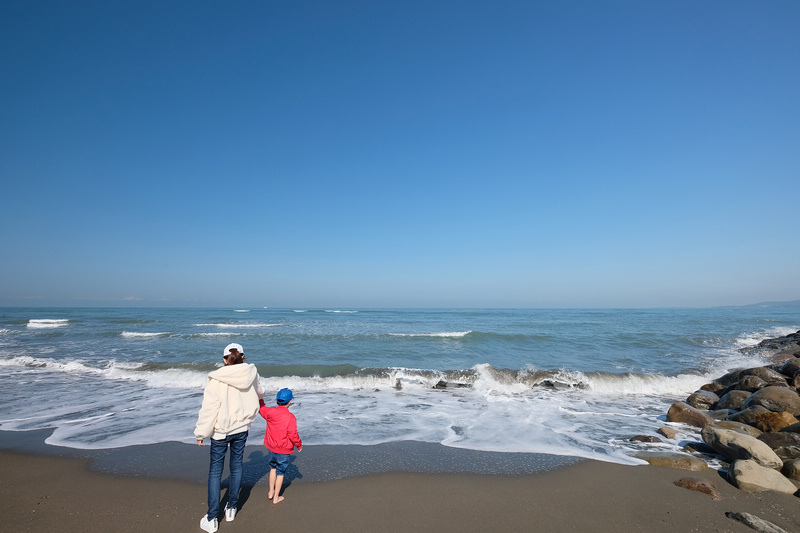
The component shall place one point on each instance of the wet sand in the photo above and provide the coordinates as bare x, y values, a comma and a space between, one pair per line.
62, 491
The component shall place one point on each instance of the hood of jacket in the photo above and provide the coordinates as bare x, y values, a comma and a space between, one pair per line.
239, 376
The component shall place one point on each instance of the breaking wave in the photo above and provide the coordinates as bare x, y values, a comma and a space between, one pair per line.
44, 323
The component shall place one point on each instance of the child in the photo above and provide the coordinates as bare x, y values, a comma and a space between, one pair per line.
280, 439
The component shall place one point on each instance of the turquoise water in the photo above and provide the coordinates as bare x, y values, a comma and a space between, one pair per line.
569, 382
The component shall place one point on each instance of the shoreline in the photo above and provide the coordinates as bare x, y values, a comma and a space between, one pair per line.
188, 462
61, 493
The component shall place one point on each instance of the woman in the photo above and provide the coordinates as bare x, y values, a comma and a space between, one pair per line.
230, 404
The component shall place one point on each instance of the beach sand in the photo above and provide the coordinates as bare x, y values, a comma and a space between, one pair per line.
45, 493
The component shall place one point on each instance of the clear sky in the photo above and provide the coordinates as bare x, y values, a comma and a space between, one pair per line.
399, 154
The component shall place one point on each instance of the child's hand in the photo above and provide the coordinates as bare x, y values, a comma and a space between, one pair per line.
300, 449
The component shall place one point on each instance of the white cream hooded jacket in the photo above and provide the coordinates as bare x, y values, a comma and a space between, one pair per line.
230, 401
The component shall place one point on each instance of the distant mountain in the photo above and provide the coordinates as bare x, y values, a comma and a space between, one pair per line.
792, 303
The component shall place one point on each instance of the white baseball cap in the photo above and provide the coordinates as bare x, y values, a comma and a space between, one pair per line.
232, 346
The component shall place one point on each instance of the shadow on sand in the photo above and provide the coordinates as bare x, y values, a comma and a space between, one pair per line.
254, 469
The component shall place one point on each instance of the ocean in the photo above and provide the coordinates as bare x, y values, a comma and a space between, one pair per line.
568, 382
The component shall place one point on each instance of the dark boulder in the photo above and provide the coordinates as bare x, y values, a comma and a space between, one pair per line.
730, 379
686, 414
775, 399
699, 447
733, 400
791, 469
712, 387
794, 428
764, 372
451, 385
788, 344
791, 367
645, 438
721, 414
785, 445
749, 415
740, 427
702, 399
750, 384
556, 385
772, 422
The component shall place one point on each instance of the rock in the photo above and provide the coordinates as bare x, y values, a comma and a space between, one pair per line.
777, 346
749, 476
699, 447
775, 399
451, 385
729, 379
785, 445
733, 400
556, 385
791, 367
794, 428
668, 432
713, 387
720, 414
673, 460
791, 469
738, 426
751, 384
748, 416
733, 445
782, 358
706, 486
702, 399
645, 438
783, 385
772, 422
767, 374
756, 523
686, 414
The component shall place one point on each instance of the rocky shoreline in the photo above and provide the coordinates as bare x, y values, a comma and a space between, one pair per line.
748, 423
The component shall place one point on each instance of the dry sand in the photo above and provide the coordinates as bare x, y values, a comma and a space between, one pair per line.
63, 494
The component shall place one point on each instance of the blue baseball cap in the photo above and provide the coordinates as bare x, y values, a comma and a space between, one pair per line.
284, 396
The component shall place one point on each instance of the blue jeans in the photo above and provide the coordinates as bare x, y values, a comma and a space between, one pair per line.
218, 449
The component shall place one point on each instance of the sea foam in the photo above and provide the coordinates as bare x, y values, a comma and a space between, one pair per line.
142, 335
43, 323
237, 326
445, 334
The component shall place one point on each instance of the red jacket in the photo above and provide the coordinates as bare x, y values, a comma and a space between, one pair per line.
281, 435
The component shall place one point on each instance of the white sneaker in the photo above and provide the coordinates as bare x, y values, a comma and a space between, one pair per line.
230, 514
208, 525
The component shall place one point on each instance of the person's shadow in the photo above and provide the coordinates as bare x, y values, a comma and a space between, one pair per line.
256, 468
292, 473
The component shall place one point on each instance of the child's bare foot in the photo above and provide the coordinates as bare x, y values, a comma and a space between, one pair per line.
279, 499
270, 496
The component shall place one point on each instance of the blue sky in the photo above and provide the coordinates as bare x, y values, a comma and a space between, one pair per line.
399, 154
